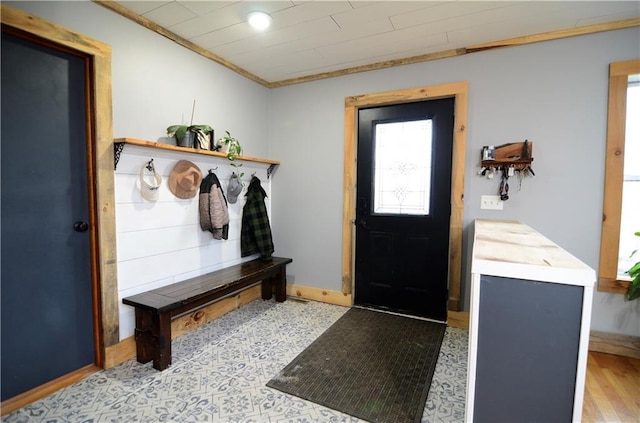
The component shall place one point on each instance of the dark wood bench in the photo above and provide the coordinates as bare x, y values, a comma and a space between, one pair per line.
156, 308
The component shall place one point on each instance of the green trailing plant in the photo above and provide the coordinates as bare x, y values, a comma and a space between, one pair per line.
234, 149
233, 146
236, 173
634, 286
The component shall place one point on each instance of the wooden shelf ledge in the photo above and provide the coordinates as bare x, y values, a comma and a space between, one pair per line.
500, 163
119, 144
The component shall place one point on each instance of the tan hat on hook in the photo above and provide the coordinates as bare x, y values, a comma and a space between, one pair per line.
184, 180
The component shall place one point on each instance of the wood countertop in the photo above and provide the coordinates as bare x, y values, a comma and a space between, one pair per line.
512, 249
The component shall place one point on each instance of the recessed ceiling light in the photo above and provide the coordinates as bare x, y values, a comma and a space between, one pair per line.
259, 20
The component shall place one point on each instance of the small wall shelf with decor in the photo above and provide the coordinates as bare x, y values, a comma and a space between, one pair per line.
509, 160
515, 154
119, 143
518, 155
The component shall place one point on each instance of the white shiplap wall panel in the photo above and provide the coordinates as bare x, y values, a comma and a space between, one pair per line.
140, 244
153, 242
127, 314
127, 320
135, 273
180, 264
161, 242
139, 216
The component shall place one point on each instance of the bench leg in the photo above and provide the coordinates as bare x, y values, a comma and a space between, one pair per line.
144, 335
267, 289
153, 338
280, 281
162, 336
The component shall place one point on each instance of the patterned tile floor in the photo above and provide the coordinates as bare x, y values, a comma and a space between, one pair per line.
220, 370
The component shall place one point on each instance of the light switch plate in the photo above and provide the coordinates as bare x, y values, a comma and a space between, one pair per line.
491, 202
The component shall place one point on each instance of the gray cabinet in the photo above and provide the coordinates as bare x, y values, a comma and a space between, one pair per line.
529, 329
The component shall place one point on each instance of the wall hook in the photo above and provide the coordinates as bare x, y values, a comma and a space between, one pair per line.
150, 166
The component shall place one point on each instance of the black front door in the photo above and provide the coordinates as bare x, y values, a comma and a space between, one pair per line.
47, 306
403, 207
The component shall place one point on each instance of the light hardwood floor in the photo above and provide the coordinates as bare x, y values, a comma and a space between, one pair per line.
612, 392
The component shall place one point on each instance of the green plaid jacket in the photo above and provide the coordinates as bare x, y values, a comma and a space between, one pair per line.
255, 236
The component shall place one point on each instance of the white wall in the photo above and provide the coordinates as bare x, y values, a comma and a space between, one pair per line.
552, 93
154, 84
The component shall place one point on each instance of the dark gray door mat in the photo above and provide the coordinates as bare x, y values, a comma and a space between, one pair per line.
372, 365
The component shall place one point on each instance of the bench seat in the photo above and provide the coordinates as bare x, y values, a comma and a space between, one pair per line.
155, 309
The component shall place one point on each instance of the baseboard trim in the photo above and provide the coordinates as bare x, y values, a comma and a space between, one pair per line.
458, 319
612, 343
319, 294
39, 392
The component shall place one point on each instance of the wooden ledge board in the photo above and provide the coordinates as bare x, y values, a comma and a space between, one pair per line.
169, 147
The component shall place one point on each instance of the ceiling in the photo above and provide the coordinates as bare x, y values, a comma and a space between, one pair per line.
316, 37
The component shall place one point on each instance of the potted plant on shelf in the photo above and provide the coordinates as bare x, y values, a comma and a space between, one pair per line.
193, 136
634, 285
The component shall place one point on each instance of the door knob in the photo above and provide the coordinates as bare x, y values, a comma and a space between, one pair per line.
80, 226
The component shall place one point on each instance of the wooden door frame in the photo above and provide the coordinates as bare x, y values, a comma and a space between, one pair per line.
100, 163
458, 90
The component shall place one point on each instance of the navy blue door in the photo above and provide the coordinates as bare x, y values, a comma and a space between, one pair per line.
47, 307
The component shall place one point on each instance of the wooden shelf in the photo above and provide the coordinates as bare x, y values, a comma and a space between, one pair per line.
168, 147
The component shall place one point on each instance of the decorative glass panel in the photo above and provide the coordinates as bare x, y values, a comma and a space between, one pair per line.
402, 169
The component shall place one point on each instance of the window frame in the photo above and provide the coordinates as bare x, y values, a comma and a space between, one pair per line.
608, 280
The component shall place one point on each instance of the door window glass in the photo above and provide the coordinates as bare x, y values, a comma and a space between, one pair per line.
402, 169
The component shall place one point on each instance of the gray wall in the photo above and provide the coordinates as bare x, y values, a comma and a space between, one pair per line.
155, 80
552, 93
